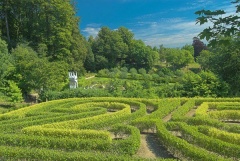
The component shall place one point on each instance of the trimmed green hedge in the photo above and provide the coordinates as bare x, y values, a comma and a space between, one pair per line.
109, 129
182, 149
191, 134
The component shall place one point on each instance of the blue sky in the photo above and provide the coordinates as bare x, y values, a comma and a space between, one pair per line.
156, 22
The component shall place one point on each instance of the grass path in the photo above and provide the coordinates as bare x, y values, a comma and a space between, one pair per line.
150, 146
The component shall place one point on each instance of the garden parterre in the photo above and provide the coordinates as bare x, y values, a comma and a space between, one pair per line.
110, 129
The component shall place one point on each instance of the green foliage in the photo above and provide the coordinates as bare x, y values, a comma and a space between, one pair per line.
3, 47
129, 145
79, 92
204, 84
223, 25
89, 62
109, 45
189, 48
225, 62
220, 134
7, 68
190, 134
223, 37
118, 49
101, 62
204, 59
108, 128
53, 45
141, 56
13, 92
126, 35
51, 28
178, 58
124, 75
142, 71
103, 72
133, 73
38, 74
180, 113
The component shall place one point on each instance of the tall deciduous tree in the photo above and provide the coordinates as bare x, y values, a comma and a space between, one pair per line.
49, 23
89, 63
118, 48
178, 58
141, 56
126, 35
110, 45
38, 74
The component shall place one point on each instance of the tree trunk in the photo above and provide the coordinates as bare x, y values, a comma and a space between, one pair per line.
7, 27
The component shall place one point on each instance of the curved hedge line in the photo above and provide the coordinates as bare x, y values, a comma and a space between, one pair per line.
110, 129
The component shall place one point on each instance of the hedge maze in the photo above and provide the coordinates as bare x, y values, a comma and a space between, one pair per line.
110, 129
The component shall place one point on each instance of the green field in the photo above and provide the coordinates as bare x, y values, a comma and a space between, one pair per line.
111, 129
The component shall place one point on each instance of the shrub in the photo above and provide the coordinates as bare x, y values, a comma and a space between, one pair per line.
14, 92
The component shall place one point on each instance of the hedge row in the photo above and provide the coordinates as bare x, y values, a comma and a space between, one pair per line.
161, 109
128, 145
199, 101
164, 107
182, 149
64, 129
180, 112
35, 109
28, 153
225, 105
196, 121
215, 133
61, 143
18, 125
80, 134
226, 115
191, 134
92, 122
202, 109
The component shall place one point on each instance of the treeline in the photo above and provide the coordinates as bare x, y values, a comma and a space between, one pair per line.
40, 42
118, 48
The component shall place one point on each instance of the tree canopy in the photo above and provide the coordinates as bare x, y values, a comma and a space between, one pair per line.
50, 27
118, 48
223, 39
223, 25
40, 41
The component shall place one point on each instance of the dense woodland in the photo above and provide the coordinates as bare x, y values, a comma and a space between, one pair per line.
40, 41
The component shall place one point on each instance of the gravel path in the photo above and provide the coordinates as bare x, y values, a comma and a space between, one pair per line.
191, 113
151, 148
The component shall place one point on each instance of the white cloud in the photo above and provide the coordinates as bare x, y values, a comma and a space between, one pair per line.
174, 32
91, 30
155, 30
